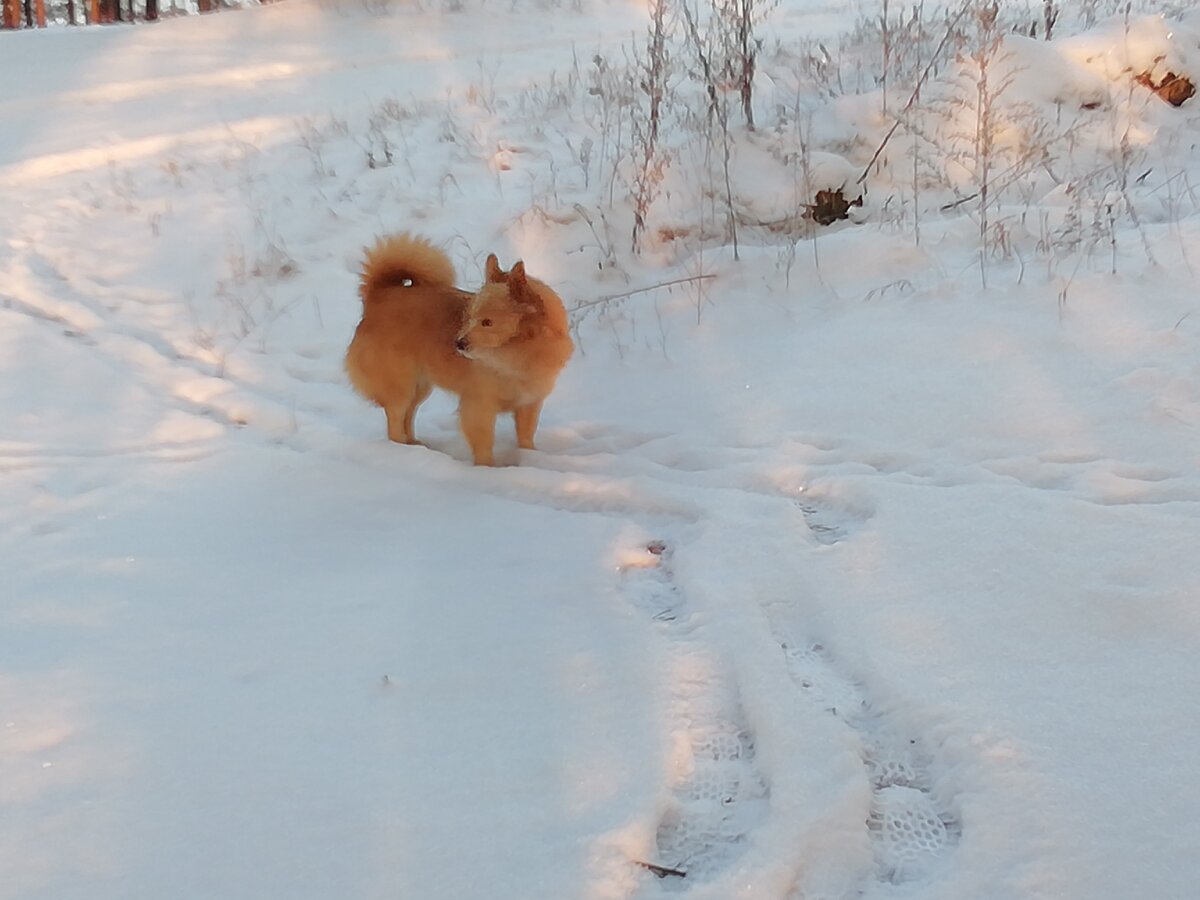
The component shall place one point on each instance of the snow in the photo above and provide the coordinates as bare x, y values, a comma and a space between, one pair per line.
1147, 43
836, 574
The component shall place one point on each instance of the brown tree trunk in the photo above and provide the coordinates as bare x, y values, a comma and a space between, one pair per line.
151, 10
10, 14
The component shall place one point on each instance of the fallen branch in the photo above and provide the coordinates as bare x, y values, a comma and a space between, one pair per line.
915, 94
946, 207
654, 287
661, 871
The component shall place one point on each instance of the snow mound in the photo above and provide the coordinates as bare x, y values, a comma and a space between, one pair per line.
770, 189
1150, 45
1042, 71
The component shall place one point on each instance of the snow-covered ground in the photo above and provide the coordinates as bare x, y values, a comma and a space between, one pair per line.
836, 574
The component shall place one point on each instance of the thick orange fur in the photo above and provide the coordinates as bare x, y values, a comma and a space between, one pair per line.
500, 350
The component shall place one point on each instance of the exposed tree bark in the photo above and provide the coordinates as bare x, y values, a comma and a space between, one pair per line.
746, 62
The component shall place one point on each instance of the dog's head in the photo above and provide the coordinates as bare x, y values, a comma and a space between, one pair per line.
500, 311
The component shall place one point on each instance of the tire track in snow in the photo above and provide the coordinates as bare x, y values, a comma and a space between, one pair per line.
259, 78
255, 75
180, 374
719, 795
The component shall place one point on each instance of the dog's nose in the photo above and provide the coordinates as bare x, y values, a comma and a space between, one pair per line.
461, 345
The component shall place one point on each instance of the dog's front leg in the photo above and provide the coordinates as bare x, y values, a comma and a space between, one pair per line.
478, 422
526, 419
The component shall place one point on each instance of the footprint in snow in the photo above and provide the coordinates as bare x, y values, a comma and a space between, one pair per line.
719, 795
911, 830
828, 522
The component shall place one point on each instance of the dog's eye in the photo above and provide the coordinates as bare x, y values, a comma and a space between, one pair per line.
486, 323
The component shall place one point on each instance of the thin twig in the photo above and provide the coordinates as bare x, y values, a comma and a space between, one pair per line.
653, 287
915, 94
661, 871
946, 207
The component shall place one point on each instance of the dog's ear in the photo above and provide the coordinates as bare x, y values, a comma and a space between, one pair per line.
521, 290
492, 270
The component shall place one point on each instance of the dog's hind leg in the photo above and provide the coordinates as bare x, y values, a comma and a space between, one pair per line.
526, 419
478, 422
399, 424
400, 395
410, 414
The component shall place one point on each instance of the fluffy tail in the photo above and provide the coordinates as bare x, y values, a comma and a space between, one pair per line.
404, 259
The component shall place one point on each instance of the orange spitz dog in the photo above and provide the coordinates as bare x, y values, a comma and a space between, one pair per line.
500, 350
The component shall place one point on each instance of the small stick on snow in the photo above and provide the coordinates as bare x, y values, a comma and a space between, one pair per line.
653, 287
946, 207
661, 871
